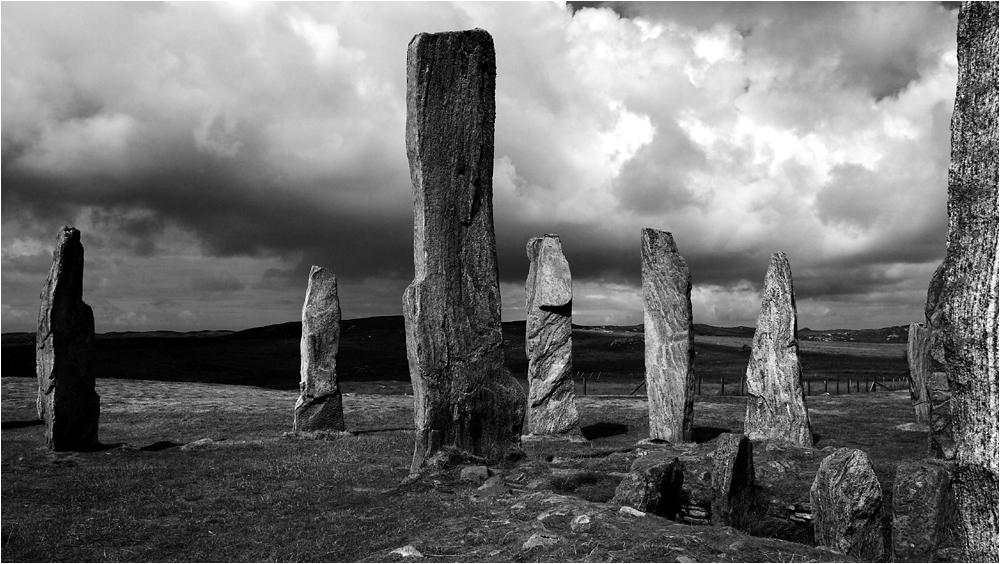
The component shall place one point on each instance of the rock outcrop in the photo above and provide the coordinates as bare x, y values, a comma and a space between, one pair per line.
776, 407
464, 395
940, 439
320, 406
971, 293
918, 357
669, 335
548, 340
846, 501
67, 398
923, 510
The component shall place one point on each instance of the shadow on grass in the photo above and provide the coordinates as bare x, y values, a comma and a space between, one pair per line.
603, 429
706, 434
20, 424
160, 445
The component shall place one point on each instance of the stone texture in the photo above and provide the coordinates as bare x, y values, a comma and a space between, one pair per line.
464, 395
320, 406
941, 439
846, 501
548, 340
918, 357
923, 510
653, 485
67, 400
733, 481
669, 335
776, 407
972, 281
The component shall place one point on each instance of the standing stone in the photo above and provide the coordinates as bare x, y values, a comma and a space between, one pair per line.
548, 340
972, 280
464, 396
67, 400
941, 438
918, 357
669, 334
776, 406
733, 481
846, 501
923, 510
320, 406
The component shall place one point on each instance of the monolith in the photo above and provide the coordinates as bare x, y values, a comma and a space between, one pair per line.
548, 340
846, 501
776, 407
971, 288
320, 406
464, 396
669, 337
918, 357
923, 510
67, 400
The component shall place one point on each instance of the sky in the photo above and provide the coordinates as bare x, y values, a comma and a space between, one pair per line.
210, 153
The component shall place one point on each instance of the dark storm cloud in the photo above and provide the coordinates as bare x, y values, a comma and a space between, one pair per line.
222, 149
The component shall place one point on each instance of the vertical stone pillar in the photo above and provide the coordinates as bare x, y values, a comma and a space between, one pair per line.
918, 357
464, 395
971, 287
776, 406
67, 400
320, 405
941, 436
923, 510
669, 337
548, 340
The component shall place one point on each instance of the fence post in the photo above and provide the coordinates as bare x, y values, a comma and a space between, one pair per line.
699, 384
584, 383
743, 383
722, 391
825, 389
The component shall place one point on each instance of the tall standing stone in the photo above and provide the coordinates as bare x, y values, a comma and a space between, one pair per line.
918, 357
464, 395
67, 400
846, 501
972, 280
548, 340
776, 406
669, 335
320, 406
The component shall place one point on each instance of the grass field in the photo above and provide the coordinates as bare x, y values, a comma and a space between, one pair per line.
252, 492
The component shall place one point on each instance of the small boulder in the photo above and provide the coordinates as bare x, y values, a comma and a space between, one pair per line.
846, 501
408, 551
581, 524
478, 474
542, 539
626, 510
652, 485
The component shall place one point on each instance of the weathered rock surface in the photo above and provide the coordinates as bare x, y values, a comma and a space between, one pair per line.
733, 481
923, 510
846, 501
653, 485
918, 357
941, 439
669, 335
67, 399
971, 291
320, 406
464, 395
776, 407
548, 340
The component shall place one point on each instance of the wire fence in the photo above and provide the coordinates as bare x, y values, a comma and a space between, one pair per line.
617, 384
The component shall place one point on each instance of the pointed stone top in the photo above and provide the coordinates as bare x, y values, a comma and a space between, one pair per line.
657, 238
779, 277
71, 233
550, 283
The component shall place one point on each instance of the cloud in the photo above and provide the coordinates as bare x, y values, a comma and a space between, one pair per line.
223, 148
